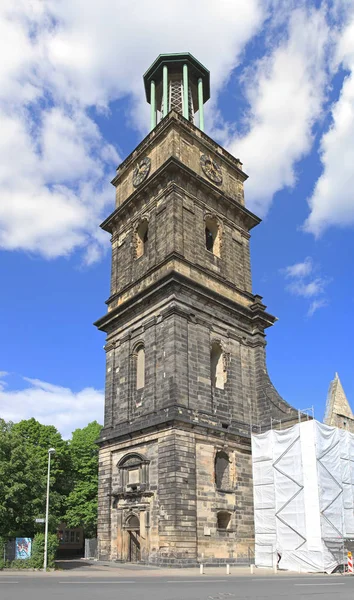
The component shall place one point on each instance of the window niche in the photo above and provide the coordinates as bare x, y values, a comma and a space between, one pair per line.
133, 473
223, 520
141, 238
138, 368
222, 471
218, 372
212, 236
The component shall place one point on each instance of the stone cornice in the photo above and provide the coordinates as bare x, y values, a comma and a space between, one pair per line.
174, 119
253, 325
250, 219
179, 417
170, 260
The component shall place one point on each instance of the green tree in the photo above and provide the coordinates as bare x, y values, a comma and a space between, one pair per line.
23, 476
82, 500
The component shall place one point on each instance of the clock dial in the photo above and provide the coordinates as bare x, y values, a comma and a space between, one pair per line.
211, 169
141, 171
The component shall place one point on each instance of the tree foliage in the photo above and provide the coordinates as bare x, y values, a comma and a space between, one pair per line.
23, 477
82, 500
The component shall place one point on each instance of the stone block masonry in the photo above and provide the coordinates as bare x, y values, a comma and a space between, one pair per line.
186, 378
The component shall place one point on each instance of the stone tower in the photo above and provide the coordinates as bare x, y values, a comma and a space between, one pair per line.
186, 377
338, 412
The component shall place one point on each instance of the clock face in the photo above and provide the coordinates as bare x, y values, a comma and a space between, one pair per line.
141, 171
211, 169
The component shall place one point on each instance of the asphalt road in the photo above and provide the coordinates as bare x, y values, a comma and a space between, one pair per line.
175, 588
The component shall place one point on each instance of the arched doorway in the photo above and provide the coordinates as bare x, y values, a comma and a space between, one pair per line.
133, 529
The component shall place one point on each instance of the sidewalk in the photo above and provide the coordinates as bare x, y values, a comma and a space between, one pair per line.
91, 569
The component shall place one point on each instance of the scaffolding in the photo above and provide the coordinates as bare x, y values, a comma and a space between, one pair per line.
303, 479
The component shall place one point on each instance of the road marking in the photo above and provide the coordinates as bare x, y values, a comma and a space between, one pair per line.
317, 584
85, 582
8, 581
201, 580
285, 577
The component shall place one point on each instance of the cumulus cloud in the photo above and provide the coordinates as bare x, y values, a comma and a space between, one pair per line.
315, 305
332, 201
285, 91
51, 405
300, 269
303, 281
65, 58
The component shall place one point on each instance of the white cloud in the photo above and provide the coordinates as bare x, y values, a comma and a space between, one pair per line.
52, 405
285, 90
303, 281
307, 289
61, 59
300, 269
315, 305
332, 202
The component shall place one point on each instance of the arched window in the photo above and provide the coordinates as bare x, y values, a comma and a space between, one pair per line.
212, 236
140, 367
224, 519
142, 236
217, 372
133, 523
222, 471
133, 472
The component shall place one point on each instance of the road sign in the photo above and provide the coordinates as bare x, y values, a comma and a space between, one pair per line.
40, 520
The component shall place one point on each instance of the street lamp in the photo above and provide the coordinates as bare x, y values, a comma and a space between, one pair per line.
50, 452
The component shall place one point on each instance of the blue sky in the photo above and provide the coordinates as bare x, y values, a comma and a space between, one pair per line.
72, 107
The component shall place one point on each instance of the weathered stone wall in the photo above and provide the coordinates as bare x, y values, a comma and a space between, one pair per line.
176, 226
177, 300
177, 338
178, 509
176, 137
237, 541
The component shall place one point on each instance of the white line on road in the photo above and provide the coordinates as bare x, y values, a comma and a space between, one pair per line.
316, 584
285, 577
85, 582
201, 580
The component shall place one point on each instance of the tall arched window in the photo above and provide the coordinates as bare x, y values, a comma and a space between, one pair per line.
212, 236
217, 372
222, 471
140, 367
142, 236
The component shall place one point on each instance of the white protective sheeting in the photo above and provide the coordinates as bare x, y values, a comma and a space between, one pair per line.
303, 496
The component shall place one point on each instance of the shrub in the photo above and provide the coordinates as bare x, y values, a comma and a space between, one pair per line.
37, 557
20, 563
2, 548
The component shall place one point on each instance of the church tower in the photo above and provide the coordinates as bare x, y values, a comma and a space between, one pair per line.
338, 412
186, 378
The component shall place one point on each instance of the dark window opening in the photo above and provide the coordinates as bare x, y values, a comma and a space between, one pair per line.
212, 236
209, 239
133, 522
223, 519
222, 467
142, 236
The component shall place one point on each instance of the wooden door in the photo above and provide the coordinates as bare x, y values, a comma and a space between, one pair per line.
134, 546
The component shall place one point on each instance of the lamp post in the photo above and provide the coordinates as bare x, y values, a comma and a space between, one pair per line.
50, 452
